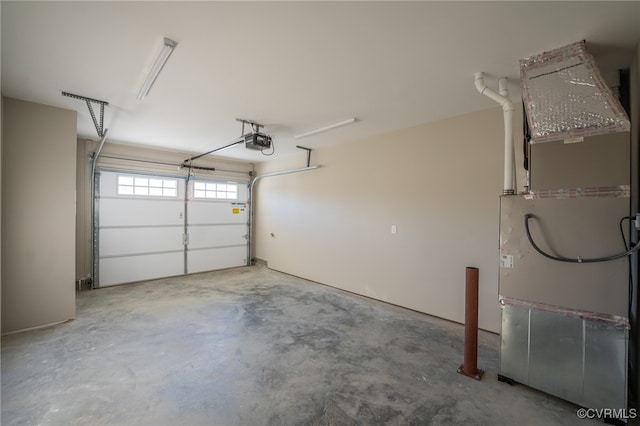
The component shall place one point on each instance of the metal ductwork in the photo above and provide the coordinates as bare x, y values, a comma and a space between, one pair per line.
564, 283
565, 96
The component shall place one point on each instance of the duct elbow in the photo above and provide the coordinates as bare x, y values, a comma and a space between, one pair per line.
480, 82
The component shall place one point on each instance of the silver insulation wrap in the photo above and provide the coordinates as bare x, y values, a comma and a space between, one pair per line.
565, 96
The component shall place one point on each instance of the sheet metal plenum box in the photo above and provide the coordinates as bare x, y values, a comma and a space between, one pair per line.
597, 161
564, 325
574, 227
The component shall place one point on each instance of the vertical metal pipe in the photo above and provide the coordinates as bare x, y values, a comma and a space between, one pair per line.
250, 221
469, 367
94, 228
185, 232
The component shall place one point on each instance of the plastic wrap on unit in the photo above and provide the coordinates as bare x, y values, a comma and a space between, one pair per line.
621, 191
565, 96
611, 320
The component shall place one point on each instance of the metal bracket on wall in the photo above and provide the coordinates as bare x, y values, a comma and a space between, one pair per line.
308, 153
102, 134
89, 101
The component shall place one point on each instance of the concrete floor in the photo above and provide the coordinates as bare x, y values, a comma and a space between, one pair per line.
251, 346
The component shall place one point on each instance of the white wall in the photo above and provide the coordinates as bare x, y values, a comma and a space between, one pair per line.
439, 183
38, 215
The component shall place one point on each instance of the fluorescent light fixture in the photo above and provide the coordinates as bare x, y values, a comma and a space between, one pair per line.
167, 49
326, 128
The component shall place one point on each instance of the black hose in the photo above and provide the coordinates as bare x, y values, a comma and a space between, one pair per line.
569, 260
624, 239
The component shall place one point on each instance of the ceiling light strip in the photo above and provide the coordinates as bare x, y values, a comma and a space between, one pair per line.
166, 51
326, 128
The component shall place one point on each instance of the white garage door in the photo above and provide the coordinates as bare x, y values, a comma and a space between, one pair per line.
216, 225
157, 226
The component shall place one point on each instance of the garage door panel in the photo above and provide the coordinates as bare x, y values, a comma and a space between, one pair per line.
217, 258
136, 212
119, 270
208, 212
243, 191
216, 236
129, 241
142, 219
217, 229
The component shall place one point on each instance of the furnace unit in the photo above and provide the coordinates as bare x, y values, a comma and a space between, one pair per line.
564, 283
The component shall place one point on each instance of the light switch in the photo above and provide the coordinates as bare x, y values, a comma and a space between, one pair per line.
394, 229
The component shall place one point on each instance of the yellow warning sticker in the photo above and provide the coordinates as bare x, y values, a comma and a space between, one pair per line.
235, 210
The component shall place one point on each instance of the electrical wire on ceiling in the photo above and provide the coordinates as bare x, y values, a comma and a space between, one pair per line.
273, 148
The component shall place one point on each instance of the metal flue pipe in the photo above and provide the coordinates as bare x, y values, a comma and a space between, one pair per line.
507, 108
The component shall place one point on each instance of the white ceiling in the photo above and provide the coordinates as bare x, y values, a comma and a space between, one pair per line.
292, 66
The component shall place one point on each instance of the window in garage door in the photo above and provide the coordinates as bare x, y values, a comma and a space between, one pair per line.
154, 226
145, 186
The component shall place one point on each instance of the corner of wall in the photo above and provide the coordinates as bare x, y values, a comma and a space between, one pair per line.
1, 120
634, 347
364, 224
38, 278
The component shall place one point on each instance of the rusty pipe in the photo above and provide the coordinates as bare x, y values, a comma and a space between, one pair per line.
469, 367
